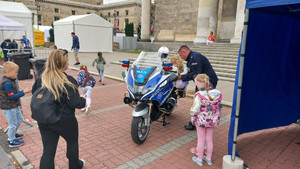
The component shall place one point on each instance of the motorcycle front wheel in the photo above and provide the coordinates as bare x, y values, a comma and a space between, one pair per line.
139, 130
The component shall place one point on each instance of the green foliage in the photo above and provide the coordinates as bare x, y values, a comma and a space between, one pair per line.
129, 29
51, 32
139, 32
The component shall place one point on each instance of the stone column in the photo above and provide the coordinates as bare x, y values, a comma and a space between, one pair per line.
239, 22
207, 19
145, 31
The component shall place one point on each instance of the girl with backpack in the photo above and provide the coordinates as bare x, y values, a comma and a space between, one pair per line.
65, 91
206, 112
86, 82
100, 62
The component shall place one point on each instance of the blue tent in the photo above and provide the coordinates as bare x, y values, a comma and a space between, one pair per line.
267, 86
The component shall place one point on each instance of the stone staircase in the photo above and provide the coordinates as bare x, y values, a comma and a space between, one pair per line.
222, 56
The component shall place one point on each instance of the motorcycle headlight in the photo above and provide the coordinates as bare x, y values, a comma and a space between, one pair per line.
164, 84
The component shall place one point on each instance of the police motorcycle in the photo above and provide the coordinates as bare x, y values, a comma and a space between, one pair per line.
151, 90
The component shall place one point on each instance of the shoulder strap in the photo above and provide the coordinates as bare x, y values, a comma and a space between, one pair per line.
200, 96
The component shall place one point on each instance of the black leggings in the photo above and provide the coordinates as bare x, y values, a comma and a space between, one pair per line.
67, 127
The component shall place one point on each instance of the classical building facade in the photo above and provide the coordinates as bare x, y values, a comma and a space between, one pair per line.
173, 20
178, 20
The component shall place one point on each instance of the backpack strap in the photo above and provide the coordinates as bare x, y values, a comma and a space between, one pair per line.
204, 98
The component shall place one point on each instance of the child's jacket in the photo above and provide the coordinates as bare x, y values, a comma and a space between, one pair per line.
9, 94
207, 113
81, 79
99, 65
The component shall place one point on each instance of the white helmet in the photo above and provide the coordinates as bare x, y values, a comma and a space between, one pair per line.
164, 52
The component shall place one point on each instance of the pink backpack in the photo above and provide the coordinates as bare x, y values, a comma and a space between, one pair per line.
210, 111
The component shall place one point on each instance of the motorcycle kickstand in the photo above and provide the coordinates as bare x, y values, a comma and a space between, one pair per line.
164, 120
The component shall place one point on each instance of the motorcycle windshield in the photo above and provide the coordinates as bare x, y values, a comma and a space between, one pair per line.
148, 60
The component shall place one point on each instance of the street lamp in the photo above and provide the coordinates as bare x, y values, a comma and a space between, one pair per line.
37, 13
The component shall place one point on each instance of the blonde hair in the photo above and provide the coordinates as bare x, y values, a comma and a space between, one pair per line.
203, 78
53, 77
9, 66
177, 61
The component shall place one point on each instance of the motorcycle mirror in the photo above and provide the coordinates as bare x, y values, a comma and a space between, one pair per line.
172, 78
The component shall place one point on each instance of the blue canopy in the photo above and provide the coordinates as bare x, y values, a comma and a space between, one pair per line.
270, 94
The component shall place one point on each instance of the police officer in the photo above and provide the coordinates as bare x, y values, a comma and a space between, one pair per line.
197, 63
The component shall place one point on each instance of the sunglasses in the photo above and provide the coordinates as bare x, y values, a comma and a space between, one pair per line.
66, 52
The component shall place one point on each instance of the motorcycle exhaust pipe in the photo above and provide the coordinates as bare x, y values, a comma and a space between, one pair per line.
170, 104
127, 100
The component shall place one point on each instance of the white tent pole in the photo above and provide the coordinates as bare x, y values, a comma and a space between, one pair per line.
73, 27
240, 81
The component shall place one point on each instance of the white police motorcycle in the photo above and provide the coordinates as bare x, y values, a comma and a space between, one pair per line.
151, 90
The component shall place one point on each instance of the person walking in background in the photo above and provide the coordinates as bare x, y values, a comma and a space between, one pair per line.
206, 113
10, 102
86, 81
65, 90
211, 38
100, 62
75, 47
197, 64
26, 43
6, 46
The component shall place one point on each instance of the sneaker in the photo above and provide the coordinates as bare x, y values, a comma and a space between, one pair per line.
199, 162
83, 109
88, 110
78, 63
15, 143
193, 150
83, 162
19, 136
209, 162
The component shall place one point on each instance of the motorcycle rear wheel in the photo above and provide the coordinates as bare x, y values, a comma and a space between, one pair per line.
139, 130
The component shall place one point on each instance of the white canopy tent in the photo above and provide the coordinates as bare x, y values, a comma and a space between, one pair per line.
19, 13
94, 33
7, 24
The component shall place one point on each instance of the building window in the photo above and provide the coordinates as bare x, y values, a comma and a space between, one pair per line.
56, 10
117, 13
56, 18
108, 14
39, 19
127, 12
73, 12
126, 21
101, 14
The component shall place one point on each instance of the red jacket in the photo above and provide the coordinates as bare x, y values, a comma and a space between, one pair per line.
211, 38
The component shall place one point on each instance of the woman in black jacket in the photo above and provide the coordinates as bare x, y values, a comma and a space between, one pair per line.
64, 88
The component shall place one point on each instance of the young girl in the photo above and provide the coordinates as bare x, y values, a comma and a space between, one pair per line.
206, 112
100, 62
86, 81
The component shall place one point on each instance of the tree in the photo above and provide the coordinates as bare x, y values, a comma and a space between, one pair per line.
129, 29
51, 32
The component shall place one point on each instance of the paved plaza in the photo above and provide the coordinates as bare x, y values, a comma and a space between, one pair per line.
105, 141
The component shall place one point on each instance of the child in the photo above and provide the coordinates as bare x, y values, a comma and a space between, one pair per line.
206, 112
100, 62
86, 85
10, 102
